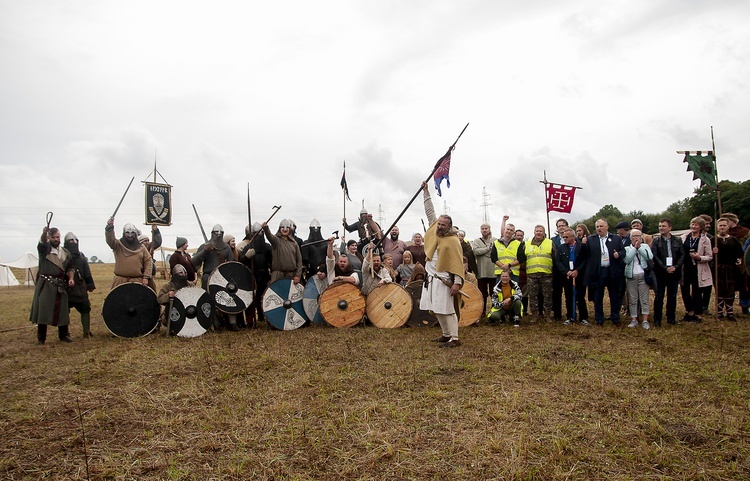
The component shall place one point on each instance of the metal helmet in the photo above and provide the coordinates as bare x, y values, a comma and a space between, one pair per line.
285, 223
217, 228
257, 226
315, 224
130, 229
70, 236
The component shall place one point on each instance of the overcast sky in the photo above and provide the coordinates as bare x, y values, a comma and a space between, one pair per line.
280, 94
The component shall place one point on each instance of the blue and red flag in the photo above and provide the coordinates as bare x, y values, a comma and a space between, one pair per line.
443, 171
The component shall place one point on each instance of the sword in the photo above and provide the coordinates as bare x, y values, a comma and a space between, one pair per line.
200, 224
451, 285
122, 198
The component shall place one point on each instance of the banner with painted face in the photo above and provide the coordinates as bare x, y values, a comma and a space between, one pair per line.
158, 203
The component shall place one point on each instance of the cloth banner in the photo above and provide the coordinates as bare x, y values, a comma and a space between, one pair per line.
560, 198
158, 204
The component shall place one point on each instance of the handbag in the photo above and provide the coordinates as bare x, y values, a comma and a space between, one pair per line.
648, 273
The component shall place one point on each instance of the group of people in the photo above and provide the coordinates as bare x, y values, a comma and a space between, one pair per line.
542, 275
537, 278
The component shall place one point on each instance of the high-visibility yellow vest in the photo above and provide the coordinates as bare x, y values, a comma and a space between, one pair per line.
506, 255
539, 257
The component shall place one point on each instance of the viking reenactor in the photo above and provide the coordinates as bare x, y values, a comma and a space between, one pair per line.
444, 272
314, 254
144, 240
338, 268
294, 234
50, 304
374, 273
286, 262
181, 257
167, 291
132, 260
417, 249
394, 247
212, 254
366, 227
256, 254
78, 295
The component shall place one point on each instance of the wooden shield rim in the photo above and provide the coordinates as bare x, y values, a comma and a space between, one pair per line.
474, 302
394, 317
329, 299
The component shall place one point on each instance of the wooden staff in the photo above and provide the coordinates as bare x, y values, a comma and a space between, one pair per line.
169, 317
434, 169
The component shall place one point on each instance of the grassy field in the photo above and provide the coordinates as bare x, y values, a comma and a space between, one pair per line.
543, 402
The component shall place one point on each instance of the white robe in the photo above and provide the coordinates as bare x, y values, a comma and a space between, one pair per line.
436, 297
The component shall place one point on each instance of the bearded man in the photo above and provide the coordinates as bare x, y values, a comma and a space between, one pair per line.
374, 274
132, 260
394, 246
212, 254
55, 276
337, 269
444, 273
286, 262
78, 295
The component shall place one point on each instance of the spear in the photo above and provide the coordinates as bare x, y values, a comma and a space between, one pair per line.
437, 165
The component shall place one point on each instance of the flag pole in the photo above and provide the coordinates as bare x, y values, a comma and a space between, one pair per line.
343, 193
717, 204
546, 203
434, 169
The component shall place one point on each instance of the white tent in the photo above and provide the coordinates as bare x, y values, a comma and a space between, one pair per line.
6, 276
28, 262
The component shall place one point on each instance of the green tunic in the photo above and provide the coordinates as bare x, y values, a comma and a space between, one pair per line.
50, 306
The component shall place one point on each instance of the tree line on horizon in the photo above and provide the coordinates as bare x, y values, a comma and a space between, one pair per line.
735, 198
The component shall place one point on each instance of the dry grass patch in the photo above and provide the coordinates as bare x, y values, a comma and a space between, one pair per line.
542, 402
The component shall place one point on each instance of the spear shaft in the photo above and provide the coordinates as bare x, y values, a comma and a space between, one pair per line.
434, 169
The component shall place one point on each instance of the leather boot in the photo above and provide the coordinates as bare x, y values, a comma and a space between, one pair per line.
41, 333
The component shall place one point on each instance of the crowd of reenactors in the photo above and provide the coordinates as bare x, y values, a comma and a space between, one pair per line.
540, 279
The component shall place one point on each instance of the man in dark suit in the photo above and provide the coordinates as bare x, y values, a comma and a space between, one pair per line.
604, 269
668, 259
570, 264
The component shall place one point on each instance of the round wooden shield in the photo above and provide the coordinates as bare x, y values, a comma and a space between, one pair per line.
282, 305
472, 307
342, 304
747, 260
231, 287
192, 312
131, 310
418, 317
310, 301
388, 306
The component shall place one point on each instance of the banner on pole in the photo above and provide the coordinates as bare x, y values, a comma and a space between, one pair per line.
158, 204
560, 197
